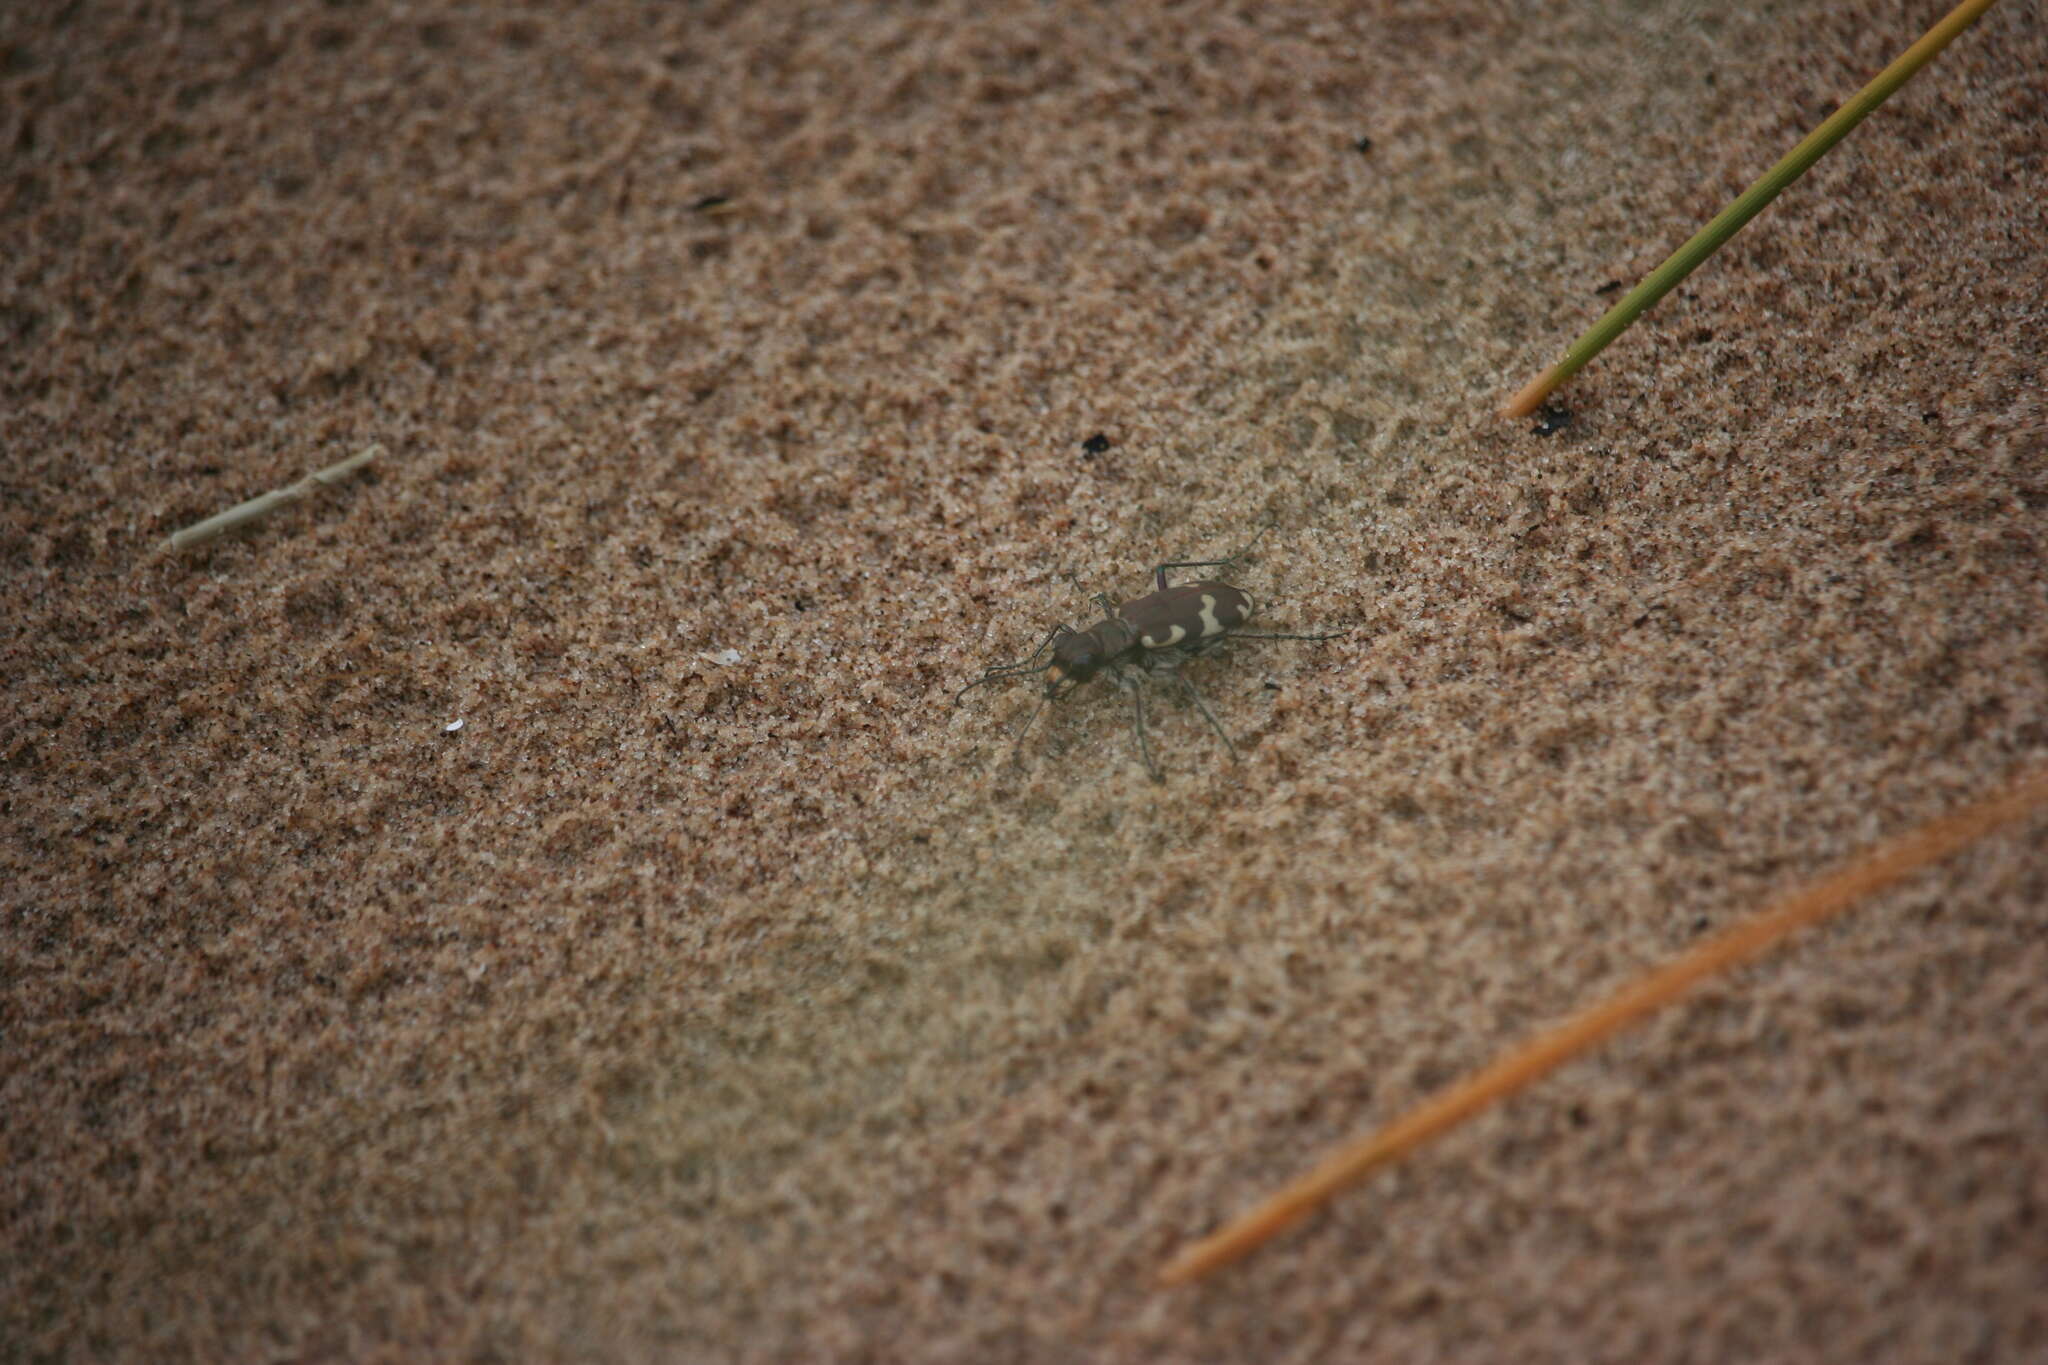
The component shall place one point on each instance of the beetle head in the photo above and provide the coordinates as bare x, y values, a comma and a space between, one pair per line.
1075, 660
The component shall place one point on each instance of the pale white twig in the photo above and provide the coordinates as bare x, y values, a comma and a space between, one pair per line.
242, 513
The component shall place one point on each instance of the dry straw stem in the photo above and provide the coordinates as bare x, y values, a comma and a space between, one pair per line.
1730, 221
1884, 865
241, 514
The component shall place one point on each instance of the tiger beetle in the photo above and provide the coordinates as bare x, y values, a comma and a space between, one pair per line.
1149, 636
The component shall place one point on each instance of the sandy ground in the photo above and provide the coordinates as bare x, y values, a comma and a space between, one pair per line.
719, 991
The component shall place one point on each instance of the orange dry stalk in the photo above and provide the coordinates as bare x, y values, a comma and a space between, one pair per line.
1878, 869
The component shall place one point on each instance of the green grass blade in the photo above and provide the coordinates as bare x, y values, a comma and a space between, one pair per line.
1730, 220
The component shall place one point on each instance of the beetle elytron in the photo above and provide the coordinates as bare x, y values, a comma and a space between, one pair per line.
1152, 635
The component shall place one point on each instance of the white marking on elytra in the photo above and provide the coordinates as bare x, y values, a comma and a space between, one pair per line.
1210, 625
1169, 642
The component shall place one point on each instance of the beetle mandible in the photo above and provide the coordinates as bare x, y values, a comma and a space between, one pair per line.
1152, 635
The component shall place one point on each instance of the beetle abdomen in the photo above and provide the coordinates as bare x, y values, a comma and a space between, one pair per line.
1192, 614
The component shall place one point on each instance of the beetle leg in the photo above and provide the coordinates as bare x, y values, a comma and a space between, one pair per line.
1326, 635
1017, 749
1203, 707
1159, 570
1137, 687
1160, 663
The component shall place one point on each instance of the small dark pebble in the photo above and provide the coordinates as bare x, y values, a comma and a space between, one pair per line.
1096, 444
1363, 144
710, 202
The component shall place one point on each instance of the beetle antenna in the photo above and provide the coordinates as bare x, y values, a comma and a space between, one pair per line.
1029, 664
998, 673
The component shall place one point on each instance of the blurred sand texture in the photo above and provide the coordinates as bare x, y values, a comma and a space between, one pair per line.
718, 991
